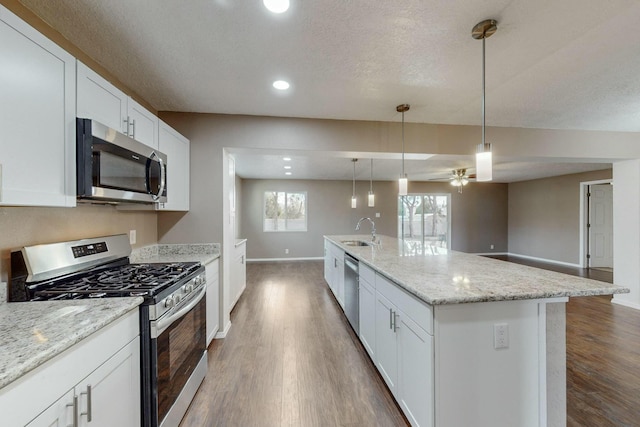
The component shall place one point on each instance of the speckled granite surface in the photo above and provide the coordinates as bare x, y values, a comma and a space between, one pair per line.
438, 276
203, 252
31, 333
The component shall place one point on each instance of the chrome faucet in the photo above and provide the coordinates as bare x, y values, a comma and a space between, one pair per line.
373, 227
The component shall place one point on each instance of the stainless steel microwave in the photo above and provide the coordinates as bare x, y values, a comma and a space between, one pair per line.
114, 168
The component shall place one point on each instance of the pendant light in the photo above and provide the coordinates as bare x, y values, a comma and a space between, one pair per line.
484, 166
371, 199
402, 182
354, 202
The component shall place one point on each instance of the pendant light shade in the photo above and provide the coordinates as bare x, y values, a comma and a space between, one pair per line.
354, 201
484, 162
402, 182
371, 202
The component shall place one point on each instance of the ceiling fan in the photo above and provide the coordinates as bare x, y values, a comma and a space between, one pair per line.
460, 178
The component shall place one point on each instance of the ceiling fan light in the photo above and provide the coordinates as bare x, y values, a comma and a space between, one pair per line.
455, 183
464, 181
484, 169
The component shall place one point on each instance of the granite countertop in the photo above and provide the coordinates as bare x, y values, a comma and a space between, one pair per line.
32, 333
441, 276
202, 252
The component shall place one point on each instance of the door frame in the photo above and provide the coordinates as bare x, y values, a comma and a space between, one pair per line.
584, 218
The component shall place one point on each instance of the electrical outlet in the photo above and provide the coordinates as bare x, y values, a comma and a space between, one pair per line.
286, 251
377, 214
132, 237
500, 335
491, 246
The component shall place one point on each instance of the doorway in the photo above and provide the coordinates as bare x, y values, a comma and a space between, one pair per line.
597, 225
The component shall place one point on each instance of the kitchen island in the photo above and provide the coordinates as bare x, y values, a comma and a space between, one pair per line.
462, 339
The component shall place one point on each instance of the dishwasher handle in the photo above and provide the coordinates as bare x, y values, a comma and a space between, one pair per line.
351, 262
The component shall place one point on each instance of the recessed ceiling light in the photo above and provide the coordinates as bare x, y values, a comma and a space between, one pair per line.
276, 6
286, 159
287, 173
287, 167
281, 85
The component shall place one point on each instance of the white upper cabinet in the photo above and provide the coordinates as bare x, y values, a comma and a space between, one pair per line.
102, 101
142, 124
37, 118
176, 147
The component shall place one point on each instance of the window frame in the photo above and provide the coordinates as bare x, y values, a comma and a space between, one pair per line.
286, 193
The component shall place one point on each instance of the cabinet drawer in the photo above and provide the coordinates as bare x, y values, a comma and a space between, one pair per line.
418, 311
367, 274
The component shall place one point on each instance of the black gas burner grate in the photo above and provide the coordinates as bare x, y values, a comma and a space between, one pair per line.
146, 280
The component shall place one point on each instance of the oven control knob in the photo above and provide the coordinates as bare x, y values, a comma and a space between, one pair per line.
169, 302
176, 299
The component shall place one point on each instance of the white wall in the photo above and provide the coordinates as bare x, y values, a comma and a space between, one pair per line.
626, 231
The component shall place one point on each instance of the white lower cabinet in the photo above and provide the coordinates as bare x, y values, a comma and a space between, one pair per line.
213, 299
367, 313
334, 271
94, 383
404, 350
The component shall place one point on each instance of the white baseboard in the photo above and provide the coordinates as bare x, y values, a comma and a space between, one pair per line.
223, 333
550, 261
625, 303
489, 253
285, 259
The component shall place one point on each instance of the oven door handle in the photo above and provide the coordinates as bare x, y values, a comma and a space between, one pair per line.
161, 325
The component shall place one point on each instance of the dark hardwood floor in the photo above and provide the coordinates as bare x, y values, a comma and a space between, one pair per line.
290, 359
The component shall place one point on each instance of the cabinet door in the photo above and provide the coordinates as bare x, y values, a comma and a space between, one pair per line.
328, 263
213, 299
113, 398
367, 296
415, 372
340, 281
386, 347
100, 100
143, 124
60, 414
37, 118
176, 147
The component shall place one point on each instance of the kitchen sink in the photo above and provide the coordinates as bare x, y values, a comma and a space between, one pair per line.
355, 243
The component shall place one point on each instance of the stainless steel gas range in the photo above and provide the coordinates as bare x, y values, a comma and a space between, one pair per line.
172, 317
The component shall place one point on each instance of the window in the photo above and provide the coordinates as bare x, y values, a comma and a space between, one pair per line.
284, 211
424, 219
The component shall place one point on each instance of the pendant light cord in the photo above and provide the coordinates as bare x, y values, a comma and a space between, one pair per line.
402, 145
371, 178
483, 95
354, 178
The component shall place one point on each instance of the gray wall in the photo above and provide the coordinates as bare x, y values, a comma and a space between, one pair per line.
479, 215
544, 216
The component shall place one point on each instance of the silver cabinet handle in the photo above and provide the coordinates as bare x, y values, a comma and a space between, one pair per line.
335, 262
126, 122
88, 413
390, 319
395, 322
133, 128
74, 407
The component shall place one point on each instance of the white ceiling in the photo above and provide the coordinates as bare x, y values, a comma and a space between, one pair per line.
570, 64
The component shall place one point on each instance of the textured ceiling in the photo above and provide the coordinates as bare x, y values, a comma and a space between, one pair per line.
570, 64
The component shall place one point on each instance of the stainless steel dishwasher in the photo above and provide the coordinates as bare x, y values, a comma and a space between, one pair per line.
351, 289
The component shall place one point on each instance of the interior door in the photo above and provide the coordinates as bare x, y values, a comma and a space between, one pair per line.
601, 225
